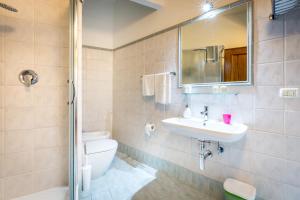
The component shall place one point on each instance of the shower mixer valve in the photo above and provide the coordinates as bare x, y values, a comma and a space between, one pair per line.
28, 77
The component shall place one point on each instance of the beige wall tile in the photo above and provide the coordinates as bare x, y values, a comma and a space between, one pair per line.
2, 71
292, 49
50, 158
266, 29
267, 166
270, 51
1, 166
269, 120
19, 118
274, 145
24, 94
262, 9
267, 97
50, 137
292, 104
2, 96
47, 55
1, 143
2, 120
97, 87
240, 159
1, 189
270, 74
292, 173
51, 35
292, 126
292, 71
292, 192
17, 163
16, 186
51, 13
50, 116
292, 148
50, 95
53, 76
19, 52
18, 30
2, 45
268, 188
18, 141
50, 178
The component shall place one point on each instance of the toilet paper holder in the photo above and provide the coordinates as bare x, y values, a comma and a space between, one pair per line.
150, 128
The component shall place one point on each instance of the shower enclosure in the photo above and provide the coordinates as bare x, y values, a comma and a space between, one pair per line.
38, 59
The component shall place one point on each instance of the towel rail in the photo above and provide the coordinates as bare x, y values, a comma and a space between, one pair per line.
171, 73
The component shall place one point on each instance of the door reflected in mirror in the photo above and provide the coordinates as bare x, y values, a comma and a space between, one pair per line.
215, 48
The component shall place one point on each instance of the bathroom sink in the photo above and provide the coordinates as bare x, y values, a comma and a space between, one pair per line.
212, 130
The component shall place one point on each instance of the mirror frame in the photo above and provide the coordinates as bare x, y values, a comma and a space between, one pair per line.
250, 49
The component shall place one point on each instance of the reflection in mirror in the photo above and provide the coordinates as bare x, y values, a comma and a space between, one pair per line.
214, 47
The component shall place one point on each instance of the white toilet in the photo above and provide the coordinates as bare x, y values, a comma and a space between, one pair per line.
99, 151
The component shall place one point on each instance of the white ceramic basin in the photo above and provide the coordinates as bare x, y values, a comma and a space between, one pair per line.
213, 130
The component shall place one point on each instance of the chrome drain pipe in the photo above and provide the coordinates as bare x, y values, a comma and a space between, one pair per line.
206, 153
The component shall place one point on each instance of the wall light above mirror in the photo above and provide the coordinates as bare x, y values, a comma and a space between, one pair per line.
216, 47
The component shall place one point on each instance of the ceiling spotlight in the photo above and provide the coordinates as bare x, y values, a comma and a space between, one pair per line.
207, 6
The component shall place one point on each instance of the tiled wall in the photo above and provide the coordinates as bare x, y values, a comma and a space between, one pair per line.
33, 121
269, 156
97, 89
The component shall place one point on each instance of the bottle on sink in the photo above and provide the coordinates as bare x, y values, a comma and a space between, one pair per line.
187, 112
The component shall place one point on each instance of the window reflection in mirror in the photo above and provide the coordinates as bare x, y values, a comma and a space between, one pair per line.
214, 48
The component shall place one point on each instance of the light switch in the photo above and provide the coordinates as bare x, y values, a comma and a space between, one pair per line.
288, 92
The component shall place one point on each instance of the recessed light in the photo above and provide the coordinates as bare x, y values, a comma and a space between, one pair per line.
207, 6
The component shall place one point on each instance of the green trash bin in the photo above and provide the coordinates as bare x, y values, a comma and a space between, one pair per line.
237, 190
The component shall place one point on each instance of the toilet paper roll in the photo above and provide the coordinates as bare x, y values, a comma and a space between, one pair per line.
149, 129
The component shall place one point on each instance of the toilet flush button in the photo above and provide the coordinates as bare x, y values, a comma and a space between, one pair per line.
289, 92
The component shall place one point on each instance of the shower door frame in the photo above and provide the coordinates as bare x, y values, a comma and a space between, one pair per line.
74, 87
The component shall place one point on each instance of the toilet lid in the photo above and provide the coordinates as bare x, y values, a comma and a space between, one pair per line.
240, 189
98, 146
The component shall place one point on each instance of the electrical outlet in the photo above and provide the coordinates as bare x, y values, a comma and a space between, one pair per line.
288, 92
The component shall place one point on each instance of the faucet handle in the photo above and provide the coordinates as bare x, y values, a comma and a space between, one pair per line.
205, 110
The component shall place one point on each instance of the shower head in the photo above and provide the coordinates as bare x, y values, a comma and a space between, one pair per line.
7, 7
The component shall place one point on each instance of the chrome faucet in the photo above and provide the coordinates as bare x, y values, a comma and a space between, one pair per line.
204, 113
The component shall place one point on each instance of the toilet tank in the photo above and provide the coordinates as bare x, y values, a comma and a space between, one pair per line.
95, 135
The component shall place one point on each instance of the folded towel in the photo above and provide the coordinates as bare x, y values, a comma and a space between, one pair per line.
148, 85
163, 86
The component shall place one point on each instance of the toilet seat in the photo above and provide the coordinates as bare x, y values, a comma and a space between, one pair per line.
98, 146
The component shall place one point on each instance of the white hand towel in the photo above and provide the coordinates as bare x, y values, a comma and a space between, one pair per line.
163, 86
148, 85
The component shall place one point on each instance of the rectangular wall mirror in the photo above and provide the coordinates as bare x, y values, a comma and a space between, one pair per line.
216, 47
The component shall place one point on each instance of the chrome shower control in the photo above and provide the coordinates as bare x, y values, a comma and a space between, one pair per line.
28, 77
